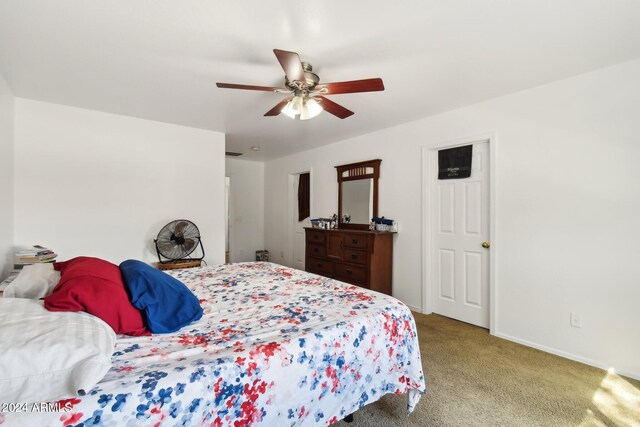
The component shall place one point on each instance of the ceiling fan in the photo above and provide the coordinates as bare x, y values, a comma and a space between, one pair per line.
306, 98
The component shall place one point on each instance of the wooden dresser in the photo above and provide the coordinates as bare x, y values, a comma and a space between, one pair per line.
359, 257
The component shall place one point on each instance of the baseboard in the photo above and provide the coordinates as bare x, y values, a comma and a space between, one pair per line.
414, 308
570, 356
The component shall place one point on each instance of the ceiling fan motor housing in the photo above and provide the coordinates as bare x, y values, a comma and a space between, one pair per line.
311, 78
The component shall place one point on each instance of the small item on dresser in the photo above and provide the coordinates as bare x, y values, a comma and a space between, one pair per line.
323, 223
384, 224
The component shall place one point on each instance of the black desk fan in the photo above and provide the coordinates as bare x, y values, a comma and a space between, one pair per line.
177, 241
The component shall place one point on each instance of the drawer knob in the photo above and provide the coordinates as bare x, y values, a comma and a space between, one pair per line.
354, 256
354, 241
349, 271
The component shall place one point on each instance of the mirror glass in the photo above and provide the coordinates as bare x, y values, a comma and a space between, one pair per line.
357, 200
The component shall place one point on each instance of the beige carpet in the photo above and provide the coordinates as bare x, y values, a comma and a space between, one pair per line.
474, 379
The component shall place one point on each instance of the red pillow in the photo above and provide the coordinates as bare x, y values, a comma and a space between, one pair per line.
95, 286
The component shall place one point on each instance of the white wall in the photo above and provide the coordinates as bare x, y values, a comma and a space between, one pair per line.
567, 208
246, 209
6, 176
92, 183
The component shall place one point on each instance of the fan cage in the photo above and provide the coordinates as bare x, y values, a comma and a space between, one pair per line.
172, 247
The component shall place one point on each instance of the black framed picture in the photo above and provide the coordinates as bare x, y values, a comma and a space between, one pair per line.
455, 163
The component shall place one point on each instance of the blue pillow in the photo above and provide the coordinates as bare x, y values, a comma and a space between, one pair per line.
165, 302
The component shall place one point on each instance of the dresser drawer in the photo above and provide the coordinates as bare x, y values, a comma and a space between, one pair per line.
316, 250
355, 256
319, 266
316, 236
355, 241
358, 274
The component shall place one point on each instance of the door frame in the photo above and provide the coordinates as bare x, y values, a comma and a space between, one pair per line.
427, 290
291, 202
228, 213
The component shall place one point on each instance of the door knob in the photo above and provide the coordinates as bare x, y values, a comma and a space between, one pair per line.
486, 245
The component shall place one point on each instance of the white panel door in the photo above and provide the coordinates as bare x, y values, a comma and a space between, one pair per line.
298, 229
459, 270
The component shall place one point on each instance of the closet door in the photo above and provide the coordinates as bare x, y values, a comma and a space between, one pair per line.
460, 241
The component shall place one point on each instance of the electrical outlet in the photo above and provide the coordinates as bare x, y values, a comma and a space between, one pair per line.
281, 254
574, 320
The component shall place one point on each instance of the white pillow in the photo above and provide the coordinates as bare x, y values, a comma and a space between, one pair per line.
34, 281
47, 355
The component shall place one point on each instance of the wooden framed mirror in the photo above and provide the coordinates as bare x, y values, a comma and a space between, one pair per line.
358, 193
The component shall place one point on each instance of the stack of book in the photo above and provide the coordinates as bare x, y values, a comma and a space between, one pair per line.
35, 255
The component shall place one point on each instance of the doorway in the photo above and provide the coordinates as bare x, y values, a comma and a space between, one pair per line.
457, 267
227, 222
297, 224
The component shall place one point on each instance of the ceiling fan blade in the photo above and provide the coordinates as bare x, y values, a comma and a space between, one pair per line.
276, 110
367, 85
249, 87
333, 108
291, 65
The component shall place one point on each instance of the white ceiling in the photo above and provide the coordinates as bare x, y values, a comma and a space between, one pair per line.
160, 59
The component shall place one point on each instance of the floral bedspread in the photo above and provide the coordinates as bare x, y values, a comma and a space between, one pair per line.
275, 347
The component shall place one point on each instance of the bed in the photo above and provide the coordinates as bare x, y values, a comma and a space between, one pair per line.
276, 346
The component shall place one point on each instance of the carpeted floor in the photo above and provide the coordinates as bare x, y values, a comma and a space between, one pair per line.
475, 379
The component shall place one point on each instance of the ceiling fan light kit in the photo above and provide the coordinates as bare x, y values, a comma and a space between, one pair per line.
304, 107
308, 101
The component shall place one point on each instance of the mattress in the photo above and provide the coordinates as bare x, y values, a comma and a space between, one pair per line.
275, 347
